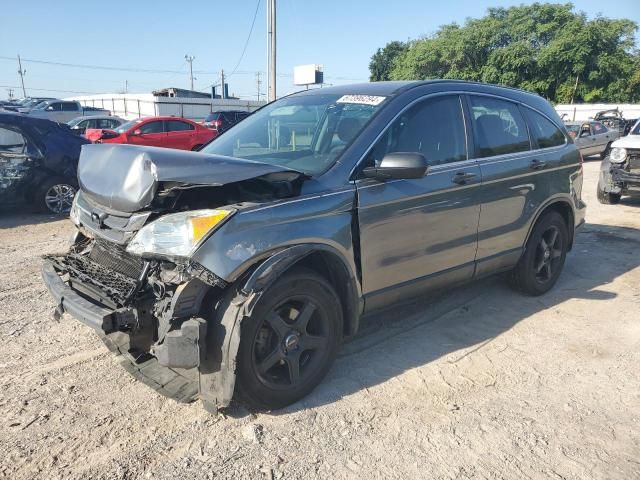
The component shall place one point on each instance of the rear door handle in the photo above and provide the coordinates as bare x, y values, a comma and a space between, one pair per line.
462, 178
537, 164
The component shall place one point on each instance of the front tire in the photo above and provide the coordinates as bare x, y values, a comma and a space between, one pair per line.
607, 198
55, 196
544, 256
289, 342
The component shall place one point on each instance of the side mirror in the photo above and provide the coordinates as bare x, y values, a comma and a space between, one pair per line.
399, 165
136, 132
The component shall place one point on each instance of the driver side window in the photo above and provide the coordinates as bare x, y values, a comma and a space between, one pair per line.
434, 128
151, 127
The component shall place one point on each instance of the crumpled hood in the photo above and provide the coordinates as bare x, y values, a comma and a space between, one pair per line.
126, 177
629, 141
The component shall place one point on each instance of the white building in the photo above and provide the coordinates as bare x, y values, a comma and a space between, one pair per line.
136, 105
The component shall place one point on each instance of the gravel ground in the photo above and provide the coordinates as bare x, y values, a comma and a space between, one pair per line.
479, 382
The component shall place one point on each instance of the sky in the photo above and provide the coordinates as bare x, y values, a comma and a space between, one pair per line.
133, 36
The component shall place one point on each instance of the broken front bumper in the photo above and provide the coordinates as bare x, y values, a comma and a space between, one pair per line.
629, 182
186, 364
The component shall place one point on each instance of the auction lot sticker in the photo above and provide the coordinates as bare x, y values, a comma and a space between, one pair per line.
361, 99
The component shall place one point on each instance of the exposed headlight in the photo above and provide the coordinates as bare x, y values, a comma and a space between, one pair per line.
618, 155
177, 234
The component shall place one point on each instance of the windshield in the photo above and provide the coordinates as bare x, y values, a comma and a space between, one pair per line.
636, 129
126, 126
42, 105
305, 133
75, 122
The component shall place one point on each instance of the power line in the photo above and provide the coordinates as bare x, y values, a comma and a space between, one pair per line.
149, 70
50, 90
246, 43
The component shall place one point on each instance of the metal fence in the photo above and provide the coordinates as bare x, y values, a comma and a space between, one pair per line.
132, 108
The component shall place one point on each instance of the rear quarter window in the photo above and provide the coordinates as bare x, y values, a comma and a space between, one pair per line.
544, 131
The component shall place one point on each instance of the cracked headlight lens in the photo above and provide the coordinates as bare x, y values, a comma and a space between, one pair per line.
177, 234
618, 155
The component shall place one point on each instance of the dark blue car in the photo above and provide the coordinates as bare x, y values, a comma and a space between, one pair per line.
38, 162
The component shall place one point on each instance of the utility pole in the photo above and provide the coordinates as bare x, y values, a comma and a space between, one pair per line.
575, 88
10, 90
258, 83
126, 86
271, 28
21, 72
190, 59
223, 94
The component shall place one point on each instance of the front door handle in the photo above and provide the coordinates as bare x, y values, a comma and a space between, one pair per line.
537, 164
462, 178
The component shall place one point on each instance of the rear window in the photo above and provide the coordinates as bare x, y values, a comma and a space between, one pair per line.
499, 127
543, 131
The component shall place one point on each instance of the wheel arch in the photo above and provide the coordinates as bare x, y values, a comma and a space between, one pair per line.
563, 207
217, 371
324, 260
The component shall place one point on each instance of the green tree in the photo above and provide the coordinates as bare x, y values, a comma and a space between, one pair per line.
382, 61
546, 48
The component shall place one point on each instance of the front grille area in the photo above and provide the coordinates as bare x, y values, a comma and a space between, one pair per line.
116, 258
89, 277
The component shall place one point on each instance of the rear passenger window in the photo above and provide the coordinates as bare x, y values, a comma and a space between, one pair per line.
178, 126
69, 107
499, 127
545, 132
434, 128
599, 128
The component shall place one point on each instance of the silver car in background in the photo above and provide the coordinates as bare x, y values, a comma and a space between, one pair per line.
79, 125
592, 138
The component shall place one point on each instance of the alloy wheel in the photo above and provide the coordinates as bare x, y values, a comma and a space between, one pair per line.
59, 198
548, 254
291, 342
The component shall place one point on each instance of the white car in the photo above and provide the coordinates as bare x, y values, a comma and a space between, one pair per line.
620, 170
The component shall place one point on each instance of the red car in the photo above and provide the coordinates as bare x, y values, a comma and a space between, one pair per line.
170, 132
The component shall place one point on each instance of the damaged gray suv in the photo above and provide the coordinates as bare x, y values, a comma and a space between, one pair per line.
239, 270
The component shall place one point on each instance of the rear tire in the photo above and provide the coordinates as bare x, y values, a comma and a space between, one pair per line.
545, 252
289, 342
607, 198
55, 195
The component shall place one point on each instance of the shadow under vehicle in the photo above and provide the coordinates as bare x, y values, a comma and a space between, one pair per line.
38, 161
241, 268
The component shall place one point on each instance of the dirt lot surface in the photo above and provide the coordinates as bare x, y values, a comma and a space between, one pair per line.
480, 382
